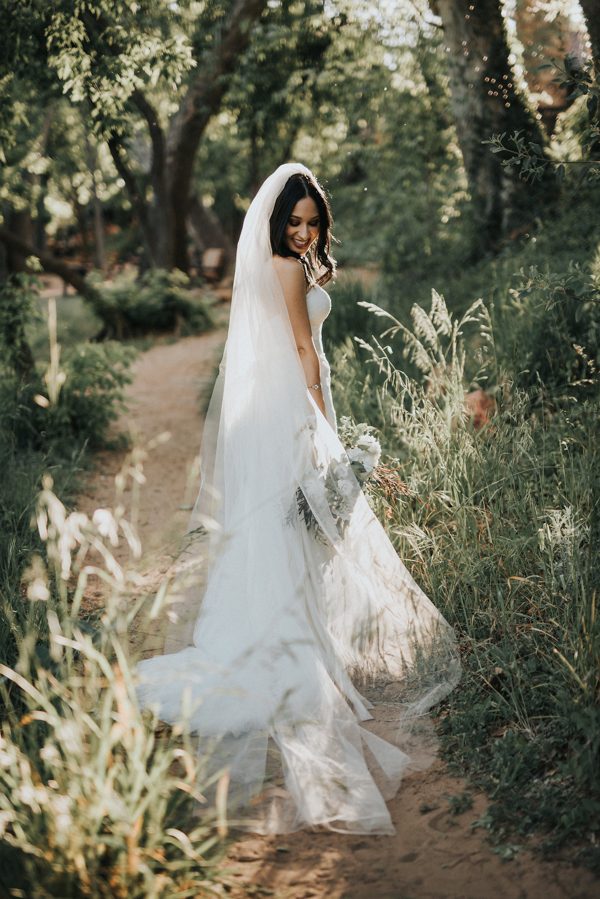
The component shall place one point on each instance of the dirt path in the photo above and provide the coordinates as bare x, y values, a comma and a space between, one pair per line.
170, 383
435, 854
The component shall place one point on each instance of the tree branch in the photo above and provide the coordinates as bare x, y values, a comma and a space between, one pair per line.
201, 101
157, 136
206, 91
137, 198
49, 263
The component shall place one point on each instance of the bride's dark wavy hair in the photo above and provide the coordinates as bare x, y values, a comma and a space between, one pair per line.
319, 261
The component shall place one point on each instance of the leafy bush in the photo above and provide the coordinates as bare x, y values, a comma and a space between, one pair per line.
551, 331
90, 398
46, 424
500, 527
92, 395
17, 295
159, 301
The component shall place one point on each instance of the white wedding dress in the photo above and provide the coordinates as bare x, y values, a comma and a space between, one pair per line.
287, 625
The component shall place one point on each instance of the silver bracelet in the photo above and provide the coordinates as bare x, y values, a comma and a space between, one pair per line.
314, 386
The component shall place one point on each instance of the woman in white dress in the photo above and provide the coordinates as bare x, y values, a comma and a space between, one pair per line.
299, 604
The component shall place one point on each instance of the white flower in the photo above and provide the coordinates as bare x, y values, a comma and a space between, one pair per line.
339, 471
371, 449
38, 590
355, 454
6, 759
49, 753
61, 806
346, 487
5, 818
367, 441
32, 796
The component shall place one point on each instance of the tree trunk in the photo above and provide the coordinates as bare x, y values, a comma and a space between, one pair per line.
542, 42
81, 214
21, 225
99, 243
485, 102
591, 14
50, 263
136, 195
202, 100
164, 221
208, 231
159, 215
98, 218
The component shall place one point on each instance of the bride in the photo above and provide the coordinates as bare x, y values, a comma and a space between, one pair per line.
303, 599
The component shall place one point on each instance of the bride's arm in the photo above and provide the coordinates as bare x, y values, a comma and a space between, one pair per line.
291, 275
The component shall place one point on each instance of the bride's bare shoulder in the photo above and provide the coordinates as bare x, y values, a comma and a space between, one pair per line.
290, 271
287, 263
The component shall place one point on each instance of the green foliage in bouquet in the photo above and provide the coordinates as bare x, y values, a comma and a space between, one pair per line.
341, 480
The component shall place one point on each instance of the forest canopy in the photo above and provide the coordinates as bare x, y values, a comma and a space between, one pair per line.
164, 118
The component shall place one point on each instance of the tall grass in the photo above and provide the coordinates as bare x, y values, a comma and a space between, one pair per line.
500, 527
92, 802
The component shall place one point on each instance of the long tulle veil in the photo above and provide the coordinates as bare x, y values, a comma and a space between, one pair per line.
275, 629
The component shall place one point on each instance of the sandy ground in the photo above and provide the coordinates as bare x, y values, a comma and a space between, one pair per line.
434, 854
171, 383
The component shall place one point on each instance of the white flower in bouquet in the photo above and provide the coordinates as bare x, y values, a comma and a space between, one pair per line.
365, 456
339, 470
346, 487
342, 478
371, 449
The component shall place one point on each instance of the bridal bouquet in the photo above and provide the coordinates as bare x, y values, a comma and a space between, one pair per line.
343, 478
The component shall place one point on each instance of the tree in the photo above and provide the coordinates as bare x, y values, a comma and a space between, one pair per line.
485, 102
591, 13
545, 37
109, 54
161, 67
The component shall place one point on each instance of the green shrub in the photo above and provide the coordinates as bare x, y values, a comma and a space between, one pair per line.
17, 303
550, 331
90, 398
92, 395
47, 422
159, 301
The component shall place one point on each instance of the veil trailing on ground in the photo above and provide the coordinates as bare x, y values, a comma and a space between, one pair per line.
276, 627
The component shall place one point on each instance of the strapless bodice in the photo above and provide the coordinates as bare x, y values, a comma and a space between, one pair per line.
318, 303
